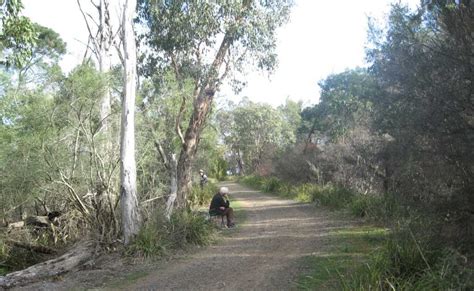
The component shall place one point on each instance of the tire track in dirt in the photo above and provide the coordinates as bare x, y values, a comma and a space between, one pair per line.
266, 252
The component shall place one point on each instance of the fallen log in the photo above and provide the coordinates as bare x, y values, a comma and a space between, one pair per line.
80, 254
35, 248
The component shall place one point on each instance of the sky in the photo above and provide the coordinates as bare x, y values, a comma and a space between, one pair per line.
322, 38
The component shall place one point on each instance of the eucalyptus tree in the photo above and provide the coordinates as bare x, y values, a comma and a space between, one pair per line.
128, 174
345, 102
291, 114
205, 41
255, 132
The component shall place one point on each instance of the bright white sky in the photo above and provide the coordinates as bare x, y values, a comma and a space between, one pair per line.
323, 37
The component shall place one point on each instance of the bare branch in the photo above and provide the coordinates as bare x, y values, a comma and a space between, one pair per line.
93, 20
152, 199
182, 107
96, 5
88, 26
159, 147
119, 51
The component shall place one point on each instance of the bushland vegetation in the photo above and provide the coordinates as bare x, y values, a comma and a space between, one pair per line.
393, 143
73, 169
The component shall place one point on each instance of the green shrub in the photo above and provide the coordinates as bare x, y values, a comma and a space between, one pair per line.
151, 241
412, 259
335, 197
252, 181
368, 206
271, 184
304, 192
159, 236
187, 227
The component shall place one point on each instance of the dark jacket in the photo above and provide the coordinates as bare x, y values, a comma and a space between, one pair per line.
217, 202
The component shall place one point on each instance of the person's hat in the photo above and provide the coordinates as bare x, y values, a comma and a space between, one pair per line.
201, 171
224, 190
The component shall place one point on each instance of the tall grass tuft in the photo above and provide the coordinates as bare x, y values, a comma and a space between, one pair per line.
412, 261
333, 196
380, 208
187, 227
159, 236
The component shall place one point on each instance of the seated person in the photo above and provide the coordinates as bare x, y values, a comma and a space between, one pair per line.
220, 206
203, 180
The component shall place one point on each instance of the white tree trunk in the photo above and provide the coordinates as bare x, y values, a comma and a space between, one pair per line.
105, 41
173, 186
128, 190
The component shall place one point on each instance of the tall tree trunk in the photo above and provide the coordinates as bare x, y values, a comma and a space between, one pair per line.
191, 140
103, 55
240, 163
128, 190
104, 43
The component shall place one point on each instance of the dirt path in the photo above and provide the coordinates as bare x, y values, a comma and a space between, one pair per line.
266, 252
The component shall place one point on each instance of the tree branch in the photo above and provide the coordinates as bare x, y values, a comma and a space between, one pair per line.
159, 147
95, 50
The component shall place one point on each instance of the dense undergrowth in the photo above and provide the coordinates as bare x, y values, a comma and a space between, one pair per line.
157, 237
410, 256
21, 247
13, 258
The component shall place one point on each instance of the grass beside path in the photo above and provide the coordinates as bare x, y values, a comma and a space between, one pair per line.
350, 249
